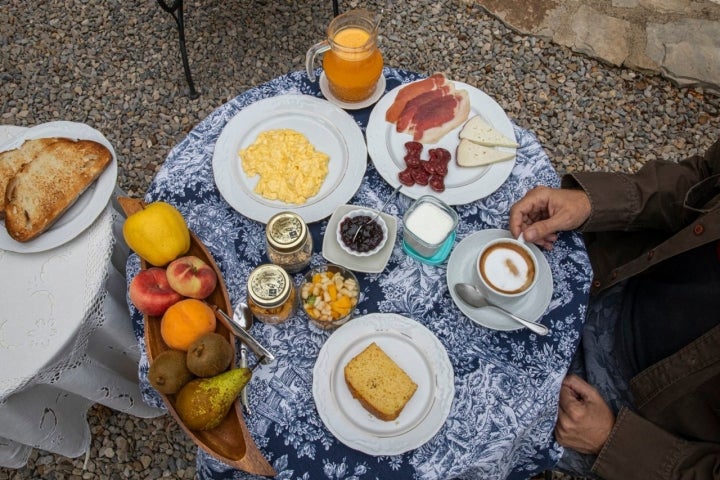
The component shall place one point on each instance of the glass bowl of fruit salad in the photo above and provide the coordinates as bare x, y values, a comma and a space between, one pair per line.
329, 295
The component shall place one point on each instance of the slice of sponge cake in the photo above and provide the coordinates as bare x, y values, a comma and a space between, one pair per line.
378, 383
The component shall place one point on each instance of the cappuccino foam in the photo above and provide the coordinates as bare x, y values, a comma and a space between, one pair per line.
507, 268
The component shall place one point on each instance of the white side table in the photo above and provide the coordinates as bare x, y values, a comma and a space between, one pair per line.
66, 342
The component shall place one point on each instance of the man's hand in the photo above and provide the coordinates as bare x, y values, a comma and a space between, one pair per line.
584, 420
544, 211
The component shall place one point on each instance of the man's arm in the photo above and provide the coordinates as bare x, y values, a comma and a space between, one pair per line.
629, 446
652, 198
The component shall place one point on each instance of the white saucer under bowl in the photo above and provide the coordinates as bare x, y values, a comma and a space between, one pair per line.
325, 89
333, 252
461, 268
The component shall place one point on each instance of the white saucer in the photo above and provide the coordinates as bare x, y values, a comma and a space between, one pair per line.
334, 253
461, 268
325, 89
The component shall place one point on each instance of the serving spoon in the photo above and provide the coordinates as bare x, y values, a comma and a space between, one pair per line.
472, 295
262, 353
243, 316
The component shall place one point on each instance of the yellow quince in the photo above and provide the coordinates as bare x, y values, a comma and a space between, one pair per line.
158, 233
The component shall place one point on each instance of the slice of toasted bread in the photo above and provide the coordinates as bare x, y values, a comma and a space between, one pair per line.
12, 161
48, 185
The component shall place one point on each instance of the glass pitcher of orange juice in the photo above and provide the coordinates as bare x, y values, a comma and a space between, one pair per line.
352, 62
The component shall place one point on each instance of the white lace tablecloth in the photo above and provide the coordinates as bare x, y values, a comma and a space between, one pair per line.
506, 383
66, 342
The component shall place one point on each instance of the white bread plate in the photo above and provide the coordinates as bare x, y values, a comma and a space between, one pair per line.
85, 209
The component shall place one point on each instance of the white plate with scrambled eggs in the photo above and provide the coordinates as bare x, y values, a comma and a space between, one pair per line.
290, 152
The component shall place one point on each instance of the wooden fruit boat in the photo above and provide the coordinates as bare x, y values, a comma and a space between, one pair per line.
230, 441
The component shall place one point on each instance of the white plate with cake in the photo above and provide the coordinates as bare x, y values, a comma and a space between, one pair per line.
59, 225
407, 354
462, 185
329, 129
461, 269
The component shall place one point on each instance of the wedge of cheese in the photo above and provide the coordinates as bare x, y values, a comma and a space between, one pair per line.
471, 154
479, 131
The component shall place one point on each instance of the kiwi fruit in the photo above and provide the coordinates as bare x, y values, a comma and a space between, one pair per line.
168, 372
209, 355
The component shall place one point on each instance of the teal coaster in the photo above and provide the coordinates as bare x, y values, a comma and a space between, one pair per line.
440, 256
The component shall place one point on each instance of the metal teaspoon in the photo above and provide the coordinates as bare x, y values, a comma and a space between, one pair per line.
471, 295
379, 211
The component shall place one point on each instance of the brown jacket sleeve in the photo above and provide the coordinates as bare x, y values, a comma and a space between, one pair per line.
653, 198
637, 221
651, 452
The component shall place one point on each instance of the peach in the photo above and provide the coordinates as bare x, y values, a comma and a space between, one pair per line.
192, 277
151, 292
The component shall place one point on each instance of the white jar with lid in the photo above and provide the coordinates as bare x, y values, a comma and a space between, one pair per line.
271, 294
288, 240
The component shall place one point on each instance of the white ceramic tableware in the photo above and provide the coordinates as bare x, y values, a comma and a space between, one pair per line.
507, 269
329, 129
332, 252
386, 148
358, 213
89, 205
461, 269
417, 351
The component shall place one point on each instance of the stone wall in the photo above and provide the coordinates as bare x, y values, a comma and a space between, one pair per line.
679, 39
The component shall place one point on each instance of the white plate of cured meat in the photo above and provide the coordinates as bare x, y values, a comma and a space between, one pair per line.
387, 150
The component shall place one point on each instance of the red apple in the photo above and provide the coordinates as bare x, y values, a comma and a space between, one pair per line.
192, 277
151, 293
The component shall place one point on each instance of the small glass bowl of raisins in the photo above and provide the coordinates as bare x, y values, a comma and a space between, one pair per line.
372, 236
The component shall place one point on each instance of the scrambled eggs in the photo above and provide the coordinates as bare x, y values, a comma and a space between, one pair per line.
290, 168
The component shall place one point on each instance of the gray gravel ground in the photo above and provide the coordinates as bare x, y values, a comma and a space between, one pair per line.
116, 66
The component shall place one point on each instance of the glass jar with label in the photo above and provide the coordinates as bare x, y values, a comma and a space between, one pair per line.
272, 296
289, 243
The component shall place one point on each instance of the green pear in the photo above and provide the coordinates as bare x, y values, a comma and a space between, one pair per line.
204, 402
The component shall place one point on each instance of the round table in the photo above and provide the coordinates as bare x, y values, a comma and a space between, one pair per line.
66, 341
506, 383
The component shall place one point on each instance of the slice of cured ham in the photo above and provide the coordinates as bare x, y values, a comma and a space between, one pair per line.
416, 103
437, 117
411, 91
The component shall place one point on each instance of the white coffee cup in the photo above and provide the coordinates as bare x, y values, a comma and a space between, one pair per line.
507, 269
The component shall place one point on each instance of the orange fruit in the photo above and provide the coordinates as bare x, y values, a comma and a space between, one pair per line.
185, 321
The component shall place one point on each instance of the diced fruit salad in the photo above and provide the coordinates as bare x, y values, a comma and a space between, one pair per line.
329, 296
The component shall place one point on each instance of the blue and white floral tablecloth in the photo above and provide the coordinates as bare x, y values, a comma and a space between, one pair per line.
506, 383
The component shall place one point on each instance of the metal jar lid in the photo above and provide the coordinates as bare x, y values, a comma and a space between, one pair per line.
286, 232
269, 285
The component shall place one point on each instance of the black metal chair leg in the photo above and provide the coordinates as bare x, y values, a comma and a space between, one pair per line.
336, 8
176, 10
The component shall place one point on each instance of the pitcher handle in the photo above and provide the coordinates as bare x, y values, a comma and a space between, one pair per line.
316, 49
